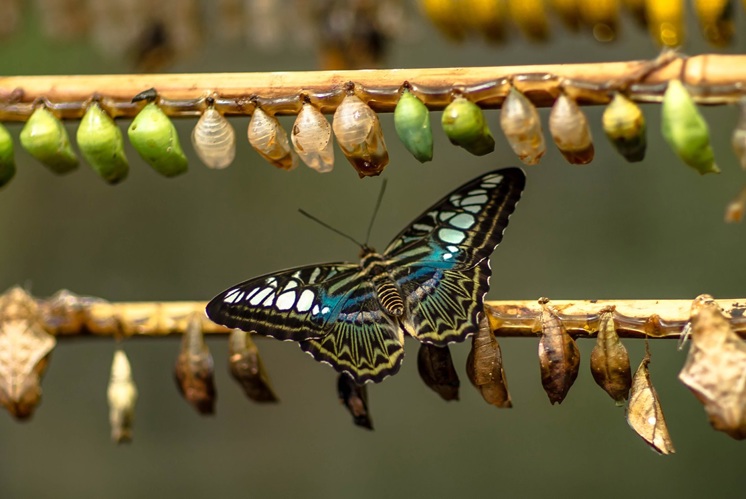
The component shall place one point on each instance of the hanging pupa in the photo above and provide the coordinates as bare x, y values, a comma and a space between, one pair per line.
735, 208
7, 162
355, 398
214, 139
531, 18
464, 124
738, 140
412, 122
247, 368
100, 140
644, 412
716, 20
360, 136
570, 131
194, 370
715, 367
624, 125
122, 396
270, 140
610, 360
444, 14
436, 370
312, 139
155, 139
521, 125
602, 16
685, 129
486, 16
665, 20
45, 138
484, 367
559, 358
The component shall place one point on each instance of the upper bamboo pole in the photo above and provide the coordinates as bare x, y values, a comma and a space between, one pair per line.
714, 79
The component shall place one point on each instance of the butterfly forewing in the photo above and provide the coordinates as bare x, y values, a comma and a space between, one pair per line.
441, 261
296, 304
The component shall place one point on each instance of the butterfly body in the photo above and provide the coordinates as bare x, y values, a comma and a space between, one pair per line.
429, 283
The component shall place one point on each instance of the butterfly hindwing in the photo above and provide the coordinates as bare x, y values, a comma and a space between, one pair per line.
364, 341
441, 261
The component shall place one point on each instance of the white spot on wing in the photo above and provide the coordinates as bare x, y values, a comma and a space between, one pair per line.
315, 310
480, 200
445, 215
291, 285
260, 296
285, 301
305, 301
462, 221
231, 297
451, 236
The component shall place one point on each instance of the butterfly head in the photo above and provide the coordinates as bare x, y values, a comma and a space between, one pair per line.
366, 250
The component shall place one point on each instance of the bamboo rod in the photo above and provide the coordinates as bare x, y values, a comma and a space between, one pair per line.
713, 78
67, 315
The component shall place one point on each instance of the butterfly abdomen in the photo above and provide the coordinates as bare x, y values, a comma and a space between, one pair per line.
388, 293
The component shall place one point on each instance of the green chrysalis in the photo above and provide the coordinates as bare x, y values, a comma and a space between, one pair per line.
7, 164
464, 124
102, 145
685, 130
154, 137
45, 138
412, 122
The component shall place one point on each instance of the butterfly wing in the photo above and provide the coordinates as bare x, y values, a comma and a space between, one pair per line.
330, 309
441, 261
295, 304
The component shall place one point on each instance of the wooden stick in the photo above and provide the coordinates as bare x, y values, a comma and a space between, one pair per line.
714, 79
67, 315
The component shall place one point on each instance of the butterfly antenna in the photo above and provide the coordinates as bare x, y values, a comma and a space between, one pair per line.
324, 224
375, 211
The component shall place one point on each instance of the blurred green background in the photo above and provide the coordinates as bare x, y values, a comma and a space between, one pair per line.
606, 230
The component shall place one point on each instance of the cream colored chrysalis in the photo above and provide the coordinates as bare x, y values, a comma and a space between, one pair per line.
360, 136
122, 395
312, 139
521, 125
214, 139
570, 131
270, 140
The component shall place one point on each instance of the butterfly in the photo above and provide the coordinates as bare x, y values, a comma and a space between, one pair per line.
429, 283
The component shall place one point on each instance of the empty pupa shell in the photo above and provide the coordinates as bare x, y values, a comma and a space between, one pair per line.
464, 124
685, 129
270, 140
624, 125
312, 139
644, 411
412, 122
716, 20
45, 138
738, 140
521, 125
247, 368
436, 370
355, 399
610, 360
154, 137
122, 396
569, 128
214, 139
665, 20
102, 145
360, 137
7, 162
